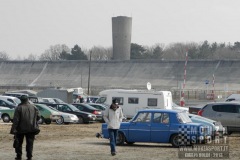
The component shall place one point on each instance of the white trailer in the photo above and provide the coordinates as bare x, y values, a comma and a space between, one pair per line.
133, 100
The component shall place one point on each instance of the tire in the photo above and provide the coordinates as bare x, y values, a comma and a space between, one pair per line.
80, 120
41, 120
6, 118
120, 138
130, 143
60, 120
174, 140
48, 121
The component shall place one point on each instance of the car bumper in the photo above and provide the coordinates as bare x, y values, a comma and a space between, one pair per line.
70, 120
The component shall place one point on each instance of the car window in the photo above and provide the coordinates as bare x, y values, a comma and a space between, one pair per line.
161, 118
2, 103
143, 117
101, 100
228, 108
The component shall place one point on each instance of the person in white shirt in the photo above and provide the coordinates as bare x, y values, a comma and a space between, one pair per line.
113, 116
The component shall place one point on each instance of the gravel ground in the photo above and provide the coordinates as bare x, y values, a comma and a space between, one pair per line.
78, 141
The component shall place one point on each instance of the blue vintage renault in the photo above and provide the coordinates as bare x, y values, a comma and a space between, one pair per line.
160, 126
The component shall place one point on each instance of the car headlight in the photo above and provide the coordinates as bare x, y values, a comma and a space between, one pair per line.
89, 115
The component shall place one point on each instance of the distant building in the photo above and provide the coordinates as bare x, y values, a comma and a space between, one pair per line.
121, 34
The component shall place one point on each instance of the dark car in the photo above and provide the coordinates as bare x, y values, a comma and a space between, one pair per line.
98, 106
87, 108
84, 117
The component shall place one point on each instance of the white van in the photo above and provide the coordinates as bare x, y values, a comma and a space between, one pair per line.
11, 99
133, 100
233, 97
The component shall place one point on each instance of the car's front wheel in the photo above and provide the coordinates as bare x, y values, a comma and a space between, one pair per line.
60, 120
5, 118
120, 138
80, 120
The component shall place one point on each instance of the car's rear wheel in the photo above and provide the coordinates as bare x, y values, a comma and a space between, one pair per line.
48, 121
130, 143
174, 140
6, 118
60, 120
80, 120
120, 138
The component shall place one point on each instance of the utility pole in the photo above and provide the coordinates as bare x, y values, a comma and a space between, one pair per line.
89, 71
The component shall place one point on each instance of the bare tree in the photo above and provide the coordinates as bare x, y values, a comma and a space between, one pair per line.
53, 53
31, 57
100, 53
4, 56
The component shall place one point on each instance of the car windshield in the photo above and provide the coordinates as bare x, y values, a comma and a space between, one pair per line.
73, 107
101, 100
183, 118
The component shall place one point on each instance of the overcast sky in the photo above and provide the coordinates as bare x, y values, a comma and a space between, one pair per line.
31, 26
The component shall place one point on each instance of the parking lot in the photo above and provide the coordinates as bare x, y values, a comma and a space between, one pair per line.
78, 141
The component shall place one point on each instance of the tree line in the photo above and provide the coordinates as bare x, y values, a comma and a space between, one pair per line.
176, 51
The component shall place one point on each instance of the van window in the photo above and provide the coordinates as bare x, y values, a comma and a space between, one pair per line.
119, 100
132, 100
152, 101
225, 108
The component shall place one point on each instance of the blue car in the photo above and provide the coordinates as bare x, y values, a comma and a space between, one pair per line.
160, 126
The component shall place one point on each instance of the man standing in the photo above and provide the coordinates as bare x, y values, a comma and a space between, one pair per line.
113, 117
25, 124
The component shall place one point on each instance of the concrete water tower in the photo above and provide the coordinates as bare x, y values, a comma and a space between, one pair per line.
121, 34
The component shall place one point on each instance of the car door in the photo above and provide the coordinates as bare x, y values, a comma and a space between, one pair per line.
160, 127
139, 128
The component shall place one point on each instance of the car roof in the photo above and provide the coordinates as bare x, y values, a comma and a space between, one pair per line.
231, 102
161, 110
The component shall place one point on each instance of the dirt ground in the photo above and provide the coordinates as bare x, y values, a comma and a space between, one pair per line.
78, 142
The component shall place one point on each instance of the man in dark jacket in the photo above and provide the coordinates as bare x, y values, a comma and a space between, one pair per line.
25, 124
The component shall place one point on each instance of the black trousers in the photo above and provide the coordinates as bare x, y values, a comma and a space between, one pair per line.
29, 144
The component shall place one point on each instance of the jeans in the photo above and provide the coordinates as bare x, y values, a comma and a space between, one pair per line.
29, 144
113, 139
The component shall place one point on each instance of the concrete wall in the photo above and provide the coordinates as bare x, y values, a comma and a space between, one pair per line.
121, 35
122, 74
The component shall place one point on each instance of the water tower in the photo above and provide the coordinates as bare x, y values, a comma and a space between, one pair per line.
121, 34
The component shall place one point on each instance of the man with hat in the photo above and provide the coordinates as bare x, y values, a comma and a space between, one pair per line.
113, 117
25, 125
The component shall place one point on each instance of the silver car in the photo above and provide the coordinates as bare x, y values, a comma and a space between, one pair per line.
228, 113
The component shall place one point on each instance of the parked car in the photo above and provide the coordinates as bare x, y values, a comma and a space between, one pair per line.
92, 99
57, 100
6, 103
228, 113
65, 118
47, 115
98, 106
14, 94
16, 101
215, 127
35, 99
48, 100
7, 114
87, 108
84, 117
159, 126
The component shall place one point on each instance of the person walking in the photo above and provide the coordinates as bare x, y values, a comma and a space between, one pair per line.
25, 125
113, 116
